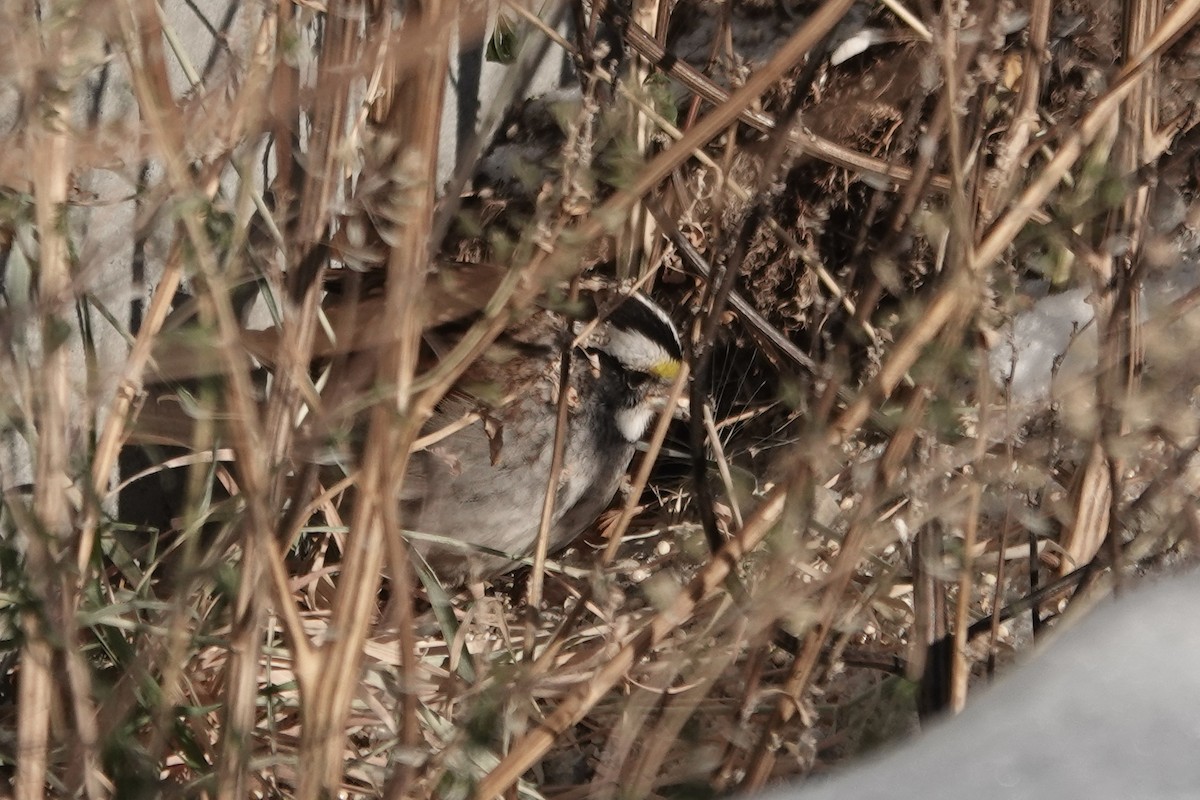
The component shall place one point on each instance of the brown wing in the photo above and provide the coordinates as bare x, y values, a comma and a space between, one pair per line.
452, 293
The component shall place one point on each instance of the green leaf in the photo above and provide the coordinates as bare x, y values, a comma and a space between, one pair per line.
503, 46
57, 333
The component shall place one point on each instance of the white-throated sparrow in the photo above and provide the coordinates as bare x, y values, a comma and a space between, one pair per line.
472, 498
483, 486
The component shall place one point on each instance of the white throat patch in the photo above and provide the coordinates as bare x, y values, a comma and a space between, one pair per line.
632, 422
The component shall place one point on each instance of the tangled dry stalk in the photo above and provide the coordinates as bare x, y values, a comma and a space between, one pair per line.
860, 517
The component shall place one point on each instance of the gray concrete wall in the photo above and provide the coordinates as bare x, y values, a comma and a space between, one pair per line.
1109, 711
117, 228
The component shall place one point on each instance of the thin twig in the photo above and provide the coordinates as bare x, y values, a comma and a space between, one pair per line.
528, 749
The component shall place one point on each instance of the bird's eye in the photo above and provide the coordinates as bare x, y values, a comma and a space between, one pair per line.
635, 379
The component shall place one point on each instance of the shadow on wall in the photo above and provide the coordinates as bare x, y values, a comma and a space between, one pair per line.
1111, 709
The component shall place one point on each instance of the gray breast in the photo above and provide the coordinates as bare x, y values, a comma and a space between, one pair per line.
485, 485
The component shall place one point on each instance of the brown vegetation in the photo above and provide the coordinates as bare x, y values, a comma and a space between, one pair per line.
856, 520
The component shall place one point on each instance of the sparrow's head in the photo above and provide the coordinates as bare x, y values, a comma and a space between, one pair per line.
640, 343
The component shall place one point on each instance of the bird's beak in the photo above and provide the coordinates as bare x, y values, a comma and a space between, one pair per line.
657, 401
682, 410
